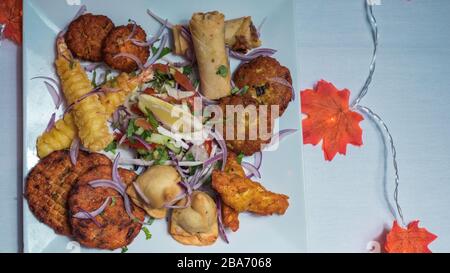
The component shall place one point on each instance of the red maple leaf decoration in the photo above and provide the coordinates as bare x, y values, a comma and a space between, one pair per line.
410, 240
330, 119
11, 16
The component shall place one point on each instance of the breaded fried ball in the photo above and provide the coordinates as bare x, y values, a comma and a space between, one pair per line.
117, 42
86, 34
259, 75
250, 143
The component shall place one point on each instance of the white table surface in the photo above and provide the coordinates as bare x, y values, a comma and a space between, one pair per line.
344, 198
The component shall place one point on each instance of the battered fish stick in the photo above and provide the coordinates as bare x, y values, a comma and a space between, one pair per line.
208, 37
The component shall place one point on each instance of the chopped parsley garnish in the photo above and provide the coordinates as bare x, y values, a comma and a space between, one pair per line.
131, 128
151, 119
240, 157
113, 201
111, 147
124, 249
241, 91
148, 235
160, 155
159, 79
164, 51
150, 220
187, 70
222, 71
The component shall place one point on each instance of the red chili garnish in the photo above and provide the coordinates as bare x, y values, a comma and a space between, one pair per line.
149, 91
135, 109
143, 123
162, 68
208, 146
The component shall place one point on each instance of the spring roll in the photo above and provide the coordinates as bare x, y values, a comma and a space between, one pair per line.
240, 35
208, 38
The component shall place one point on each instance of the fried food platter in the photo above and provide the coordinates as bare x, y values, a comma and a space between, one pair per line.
203, 209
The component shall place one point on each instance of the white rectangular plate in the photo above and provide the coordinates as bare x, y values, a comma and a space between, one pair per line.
282, 170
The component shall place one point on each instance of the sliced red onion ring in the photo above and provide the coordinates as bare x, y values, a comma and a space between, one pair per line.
122, 139
140, 193
285, 83
159, 19
106, 89
253, 54
95, 91
258, 30
186, 34
213, 160
133, 30
51, 123
187, 205
56, 96
89, 215
187, 193
74, 150
257, 159
115, 173
219, 220
132, 57
153, 39
189, 163
92, 66
223, 147
143, 142
78, 14
48, 79
252, 169
276, 138
114, 185
175, 160
155, 56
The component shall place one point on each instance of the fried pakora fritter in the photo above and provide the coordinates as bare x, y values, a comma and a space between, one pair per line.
230, 217
255, 137
117, 42
116, 228
49, 182
243, 194
259, 75
86, 34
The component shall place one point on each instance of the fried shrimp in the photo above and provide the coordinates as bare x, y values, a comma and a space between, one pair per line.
49, 182
86, 34
113, 228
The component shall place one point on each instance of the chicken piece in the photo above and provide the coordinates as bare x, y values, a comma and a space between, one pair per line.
243, 194
230, 218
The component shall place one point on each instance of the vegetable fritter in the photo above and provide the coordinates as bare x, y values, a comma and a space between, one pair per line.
255, 138
117, 42
243, 194
116, 228
262, 76
49, 182
86, 34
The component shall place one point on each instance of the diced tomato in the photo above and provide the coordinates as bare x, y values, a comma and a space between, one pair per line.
208, 146
162, 68
133, 145
183, 81
149, 91
135, 109
143, 123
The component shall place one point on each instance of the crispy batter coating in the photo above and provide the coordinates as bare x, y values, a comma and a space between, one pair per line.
86, 34
243, 194
116, 229
230, 217
258, 74
248, 143
49, 182
117, 42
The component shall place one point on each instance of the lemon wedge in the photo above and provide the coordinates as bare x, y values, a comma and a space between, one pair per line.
173, 117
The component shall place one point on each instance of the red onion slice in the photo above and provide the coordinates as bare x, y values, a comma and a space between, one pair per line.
115, 172
223, 147
78, 14
136, 162
140, 193
213, 160
285, 83
51, 123
89, 215
257, 159
187, 205
159, 19
91, 67
74, 150
258, 30
143, 142
155, 56
252, 169
219, 220
95, 91
253, 54
132, 57
48, 79
133, 30
56, 96
153, 39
